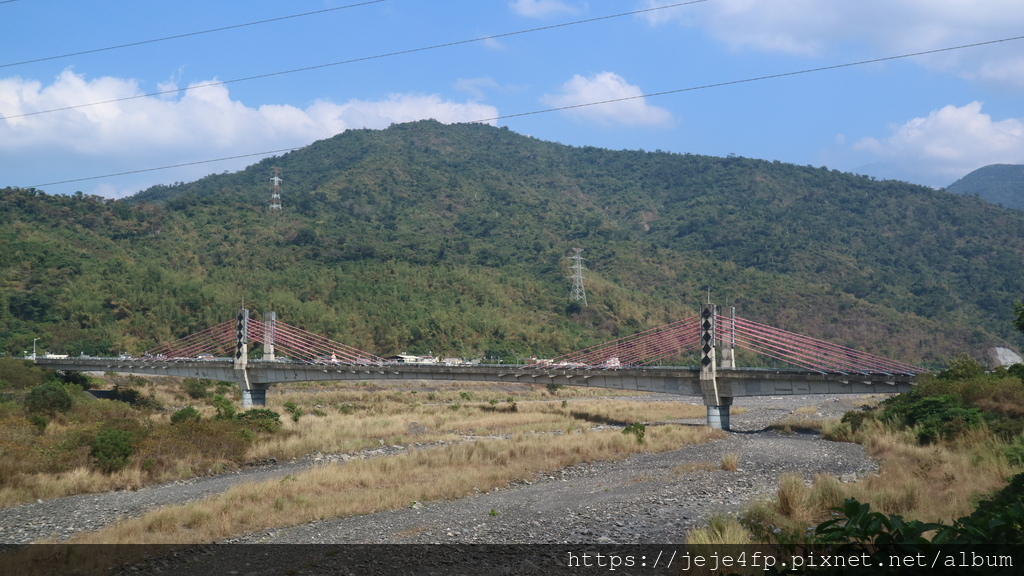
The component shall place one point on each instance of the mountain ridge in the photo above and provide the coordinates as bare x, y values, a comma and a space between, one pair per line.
1001, 184
455, 238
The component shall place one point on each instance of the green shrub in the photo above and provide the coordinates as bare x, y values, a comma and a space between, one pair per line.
39, 421
293, 409
935, 417
638, 429
962, 367
76, 378
21, 374
261, 419
225, 410
1004, 499
1017, 371
50, 397
856, 419
186, 414
111, 449
196, 388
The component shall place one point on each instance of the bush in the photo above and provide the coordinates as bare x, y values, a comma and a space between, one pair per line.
50, 397
1017, 371
962, 367
856, 419
195, 388
111, 449
261, 419
39, 421
225, 410
294, 410
21, 374
76, 378
936, 417
638, 429
186, 414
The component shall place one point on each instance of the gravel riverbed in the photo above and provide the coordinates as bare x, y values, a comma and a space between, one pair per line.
646, 498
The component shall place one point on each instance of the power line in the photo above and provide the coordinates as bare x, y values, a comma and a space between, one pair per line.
354, 60
165, 167
754, 79
185, 35
598, 103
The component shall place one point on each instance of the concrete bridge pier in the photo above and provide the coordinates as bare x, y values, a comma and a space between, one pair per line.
718, 405
252, 394
254, 397
718, 416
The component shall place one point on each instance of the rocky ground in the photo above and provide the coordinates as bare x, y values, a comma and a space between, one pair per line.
644, 499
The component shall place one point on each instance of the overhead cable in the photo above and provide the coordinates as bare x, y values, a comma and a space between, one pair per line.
185, 35
267, 153
352, 61
597, 103
753, 79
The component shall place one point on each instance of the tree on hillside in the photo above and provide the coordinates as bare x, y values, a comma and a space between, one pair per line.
1018, 309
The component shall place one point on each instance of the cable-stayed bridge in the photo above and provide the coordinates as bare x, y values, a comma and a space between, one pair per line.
291, 354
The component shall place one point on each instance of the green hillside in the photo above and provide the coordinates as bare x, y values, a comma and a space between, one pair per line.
455, 240
1001, 184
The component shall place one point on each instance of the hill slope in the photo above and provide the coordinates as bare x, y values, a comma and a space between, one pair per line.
454, 239
1001, 184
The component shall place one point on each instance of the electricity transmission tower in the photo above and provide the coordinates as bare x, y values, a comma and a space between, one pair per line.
275, 191
578, 292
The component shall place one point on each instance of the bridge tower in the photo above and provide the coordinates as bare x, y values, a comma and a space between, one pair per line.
269, 325
252, 395
717, 404
726, 336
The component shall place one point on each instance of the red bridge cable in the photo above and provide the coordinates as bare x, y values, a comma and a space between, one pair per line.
599, 347
849, 354
795, 349
817, 353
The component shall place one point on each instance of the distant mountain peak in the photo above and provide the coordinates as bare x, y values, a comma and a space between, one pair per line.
1001, 184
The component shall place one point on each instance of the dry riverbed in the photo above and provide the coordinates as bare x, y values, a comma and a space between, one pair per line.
643, 499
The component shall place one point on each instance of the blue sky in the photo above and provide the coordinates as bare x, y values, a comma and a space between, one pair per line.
928, 119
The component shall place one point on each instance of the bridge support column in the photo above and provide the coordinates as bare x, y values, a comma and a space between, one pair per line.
254, 397
717, 404
718, 416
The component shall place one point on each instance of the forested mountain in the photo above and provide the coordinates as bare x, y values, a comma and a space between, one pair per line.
1001, 184
455, 239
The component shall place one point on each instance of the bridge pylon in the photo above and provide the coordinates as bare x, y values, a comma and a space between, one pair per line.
252, 394
717, 404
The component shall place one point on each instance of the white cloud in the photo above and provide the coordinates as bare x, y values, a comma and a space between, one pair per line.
948, 143
625, 104
139, 132
540, 8
882, 27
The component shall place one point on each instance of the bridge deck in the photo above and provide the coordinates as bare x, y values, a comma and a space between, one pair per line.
683, 381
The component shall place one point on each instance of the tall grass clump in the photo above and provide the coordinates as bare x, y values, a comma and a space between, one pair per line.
952, 441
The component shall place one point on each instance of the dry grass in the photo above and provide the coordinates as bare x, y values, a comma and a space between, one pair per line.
349, 418
799, 423
931, 483
720, 529
934, 483
386, 483
375, 421
730, 462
